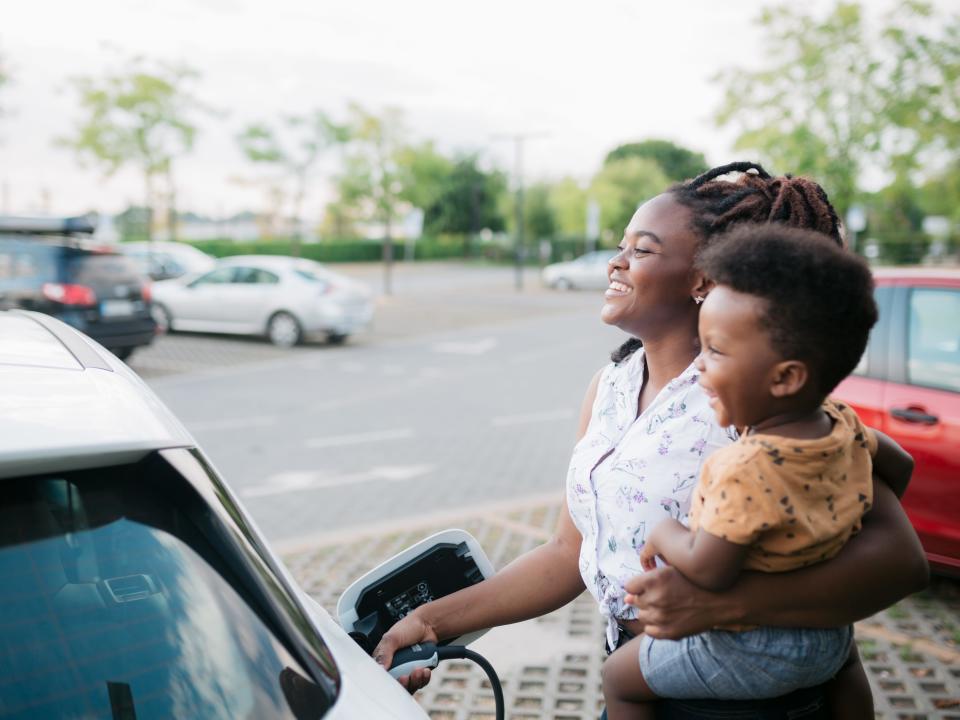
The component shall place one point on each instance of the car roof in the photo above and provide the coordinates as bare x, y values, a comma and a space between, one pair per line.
917, 273
69, 404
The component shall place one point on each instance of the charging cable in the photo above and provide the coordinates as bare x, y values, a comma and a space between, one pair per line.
429, 655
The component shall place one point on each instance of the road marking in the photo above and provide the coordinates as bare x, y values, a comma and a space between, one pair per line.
359, 438
477, 347
529, 418
297, 481
230, 423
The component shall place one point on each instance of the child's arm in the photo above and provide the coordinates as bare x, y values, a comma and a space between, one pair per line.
892, 463
704, 559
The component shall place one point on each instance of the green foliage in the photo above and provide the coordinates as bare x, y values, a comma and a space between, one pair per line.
569, 203
141, 116
333, 251
838, 95
623, 185
468, 200
372, 183
539, 216
678, 163
895, 220
294, 151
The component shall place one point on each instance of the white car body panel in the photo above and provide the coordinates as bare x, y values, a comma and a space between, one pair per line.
359, 676
59, 413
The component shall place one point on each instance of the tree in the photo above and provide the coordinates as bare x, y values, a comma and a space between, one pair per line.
623, 185
469, 200
569, 202
143, 117
372, 178
837, 96
678, 163
294, 152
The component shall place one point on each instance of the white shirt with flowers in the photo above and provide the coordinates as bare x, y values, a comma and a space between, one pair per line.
628, 473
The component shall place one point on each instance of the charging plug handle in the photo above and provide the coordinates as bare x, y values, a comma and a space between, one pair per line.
429, 655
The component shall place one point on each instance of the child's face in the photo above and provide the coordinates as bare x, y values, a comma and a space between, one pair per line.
736, 357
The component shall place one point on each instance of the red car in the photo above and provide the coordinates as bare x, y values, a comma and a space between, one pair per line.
908, 386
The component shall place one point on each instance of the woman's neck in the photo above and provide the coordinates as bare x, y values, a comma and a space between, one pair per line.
665, 359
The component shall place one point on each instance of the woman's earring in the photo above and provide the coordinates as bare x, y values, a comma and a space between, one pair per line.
698, 299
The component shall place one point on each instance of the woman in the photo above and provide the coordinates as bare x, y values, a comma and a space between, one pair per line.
645, 428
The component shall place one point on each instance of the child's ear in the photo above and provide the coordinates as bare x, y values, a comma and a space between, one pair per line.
788, 378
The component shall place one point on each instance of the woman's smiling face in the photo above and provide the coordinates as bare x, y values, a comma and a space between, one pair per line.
651, 274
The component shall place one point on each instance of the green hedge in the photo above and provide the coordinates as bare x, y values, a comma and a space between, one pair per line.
442, 247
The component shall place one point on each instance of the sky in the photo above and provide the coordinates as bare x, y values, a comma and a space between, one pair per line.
582, 76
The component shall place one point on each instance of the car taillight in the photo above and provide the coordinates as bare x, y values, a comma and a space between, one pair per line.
67, 294
146, 292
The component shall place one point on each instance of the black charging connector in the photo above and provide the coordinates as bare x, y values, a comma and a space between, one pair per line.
429, 655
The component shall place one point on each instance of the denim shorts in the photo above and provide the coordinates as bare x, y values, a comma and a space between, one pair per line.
754, 664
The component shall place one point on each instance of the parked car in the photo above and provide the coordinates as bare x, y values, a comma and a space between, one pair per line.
287, 299
908, 386
587, 272
50, 265
132, 581
162, 260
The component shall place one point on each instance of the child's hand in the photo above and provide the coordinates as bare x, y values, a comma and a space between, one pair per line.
648, 555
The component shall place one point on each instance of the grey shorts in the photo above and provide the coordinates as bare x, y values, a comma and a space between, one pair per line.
754, 664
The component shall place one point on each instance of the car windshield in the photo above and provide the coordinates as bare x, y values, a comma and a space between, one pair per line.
117, 604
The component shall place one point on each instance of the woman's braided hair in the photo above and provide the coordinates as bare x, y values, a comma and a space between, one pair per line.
717, 205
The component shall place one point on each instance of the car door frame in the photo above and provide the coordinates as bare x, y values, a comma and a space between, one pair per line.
940, 536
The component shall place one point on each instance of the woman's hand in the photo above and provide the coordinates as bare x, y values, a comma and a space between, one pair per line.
671, 607
409, 631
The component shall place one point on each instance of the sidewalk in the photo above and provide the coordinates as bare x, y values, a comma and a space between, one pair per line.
550, 667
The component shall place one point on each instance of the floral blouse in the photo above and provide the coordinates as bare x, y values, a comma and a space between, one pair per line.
627, 473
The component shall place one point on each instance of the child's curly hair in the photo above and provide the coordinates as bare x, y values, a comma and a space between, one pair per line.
819, 298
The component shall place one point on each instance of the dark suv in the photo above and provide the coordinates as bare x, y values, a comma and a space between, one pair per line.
50, 266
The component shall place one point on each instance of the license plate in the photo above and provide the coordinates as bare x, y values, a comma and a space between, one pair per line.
116, 308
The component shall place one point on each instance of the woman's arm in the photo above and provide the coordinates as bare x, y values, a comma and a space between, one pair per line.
538, 582
880, 565
892, 463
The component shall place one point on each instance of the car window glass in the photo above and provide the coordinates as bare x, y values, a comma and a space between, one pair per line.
20, 261
256, 276
215, 277
89, 268
116, 594
933, 340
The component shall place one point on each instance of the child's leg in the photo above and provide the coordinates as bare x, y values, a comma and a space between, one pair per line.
849, 694
625, 691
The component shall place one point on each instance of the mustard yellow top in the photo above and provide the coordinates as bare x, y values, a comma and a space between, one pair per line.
795, 502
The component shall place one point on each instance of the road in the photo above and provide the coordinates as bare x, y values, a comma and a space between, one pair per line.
465, 392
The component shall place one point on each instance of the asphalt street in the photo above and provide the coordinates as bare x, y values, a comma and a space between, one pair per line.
464, 393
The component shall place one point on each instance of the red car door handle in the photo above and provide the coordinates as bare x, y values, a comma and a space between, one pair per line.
914, 415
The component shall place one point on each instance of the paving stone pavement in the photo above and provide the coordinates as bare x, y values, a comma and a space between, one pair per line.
550, 667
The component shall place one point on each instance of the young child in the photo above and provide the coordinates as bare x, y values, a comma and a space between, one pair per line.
787, 320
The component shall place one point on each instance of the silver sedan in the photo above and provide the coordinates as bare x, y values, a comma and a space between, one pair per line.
587, 272
286, 299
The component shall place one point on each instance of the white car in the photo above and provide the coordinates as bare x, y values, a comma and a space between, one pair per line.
132, 581
287, 299
161, 260
587, 272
